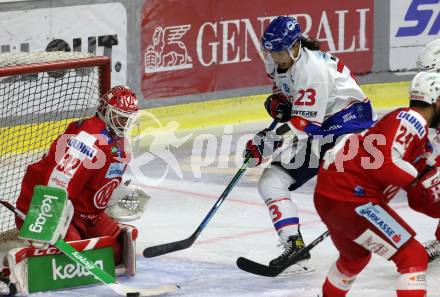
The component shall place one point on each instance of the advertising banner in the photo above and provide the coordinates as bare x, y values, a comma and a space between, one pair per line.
413, 23
191, 47
54, 272
95, 28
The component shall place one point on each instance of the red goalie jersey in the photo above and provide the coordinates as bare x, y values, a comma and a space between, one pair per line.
86, 161
372, 166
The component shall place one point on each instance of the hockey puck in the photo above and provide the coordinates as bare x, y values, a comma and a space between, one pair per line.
133, 294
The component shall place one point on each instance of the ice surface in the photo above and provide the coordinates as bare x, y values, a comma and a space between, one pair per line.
241, 227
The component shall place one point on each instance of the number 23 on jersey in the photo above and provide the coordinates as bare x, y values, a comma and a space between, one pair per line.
306, 97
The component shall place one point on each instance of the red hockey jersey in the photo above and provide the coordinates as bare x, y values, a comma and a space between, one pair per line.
373, 165
86, 161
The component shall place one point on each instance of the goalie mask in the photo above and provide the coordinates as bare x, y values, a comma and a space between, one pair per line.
118, 108
429, 57
425, 87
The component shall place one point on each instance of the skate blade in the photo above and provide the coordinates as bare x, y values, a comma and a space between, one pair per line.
434, 261
297, 269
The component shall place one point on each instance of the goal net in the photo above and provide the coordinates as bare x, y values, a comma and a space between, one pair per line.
40, 94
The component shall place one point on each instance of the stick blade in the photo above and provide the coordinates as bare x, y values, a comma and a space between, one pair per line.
166, 248
257, 268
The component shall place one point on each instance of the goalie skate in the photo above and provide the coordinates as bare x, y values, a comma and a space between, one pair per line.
6, 287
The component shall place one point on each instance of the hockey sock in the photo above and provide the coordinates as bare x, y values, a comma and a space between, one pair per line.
284, 214
412, 284
337, 284
412, 263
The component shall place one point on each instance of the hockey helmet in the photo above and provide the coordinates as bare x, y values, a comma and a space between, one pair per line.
425, 87
281, 34
118, 108
429, 57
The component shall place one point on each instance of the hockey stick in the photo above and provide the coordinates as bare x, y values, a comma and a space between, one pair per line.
100, 274
272, 271
186, 243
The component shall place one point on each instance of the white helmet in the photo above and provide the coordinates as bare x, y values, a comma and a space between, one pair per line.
425, 87
429, 57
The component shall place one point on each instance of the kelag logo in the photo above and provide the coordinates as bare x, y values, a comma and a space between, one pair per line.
425, 16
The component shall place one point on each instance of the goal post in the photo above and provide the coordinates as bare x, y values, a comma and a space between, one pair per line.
40, 94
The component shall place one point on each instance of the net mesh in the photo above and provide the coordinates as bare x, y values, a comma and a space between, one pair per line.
35, 108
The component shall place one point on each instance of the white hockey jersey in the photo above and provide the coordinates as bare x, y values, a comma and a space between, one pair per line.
326, 99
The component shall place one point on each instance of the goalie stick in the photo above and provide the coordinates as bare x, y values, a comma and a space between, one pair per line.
272, 271
170, 247
100, 274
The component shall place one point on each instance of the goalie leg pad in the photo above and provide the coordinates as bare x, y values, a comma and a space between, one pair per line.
98, 226
66, 219
18, 271
129, 234
58, 271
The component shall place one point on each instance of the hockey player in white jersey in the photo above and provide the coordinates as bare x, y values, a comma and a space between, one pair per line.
429, 58
429, 61
317, 99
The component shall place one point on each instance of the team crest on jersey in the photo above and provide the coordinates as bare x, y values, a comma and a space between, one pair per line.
103, 195
414, 121
286, 88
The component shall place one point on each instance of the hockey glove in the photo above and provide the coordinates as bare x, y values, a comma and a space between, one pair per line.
262, 147
279, 107
430, 185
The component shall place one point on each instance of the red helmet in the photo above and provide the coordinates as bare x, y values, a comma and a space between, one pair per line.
118, 108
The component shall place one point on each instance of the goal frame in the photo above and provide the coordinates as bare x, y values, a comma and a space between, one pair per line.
103, 62
103, 65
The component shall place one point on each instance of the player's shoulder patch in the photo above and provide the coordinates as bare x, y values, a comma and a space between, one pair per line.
413, 120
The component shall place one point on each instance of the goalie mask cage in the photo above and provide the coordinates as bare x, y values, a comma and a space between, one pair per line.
40, 94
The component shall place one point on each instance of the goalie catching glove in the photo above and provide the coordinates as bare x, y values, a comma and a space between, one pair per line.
262, 146
127, 203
